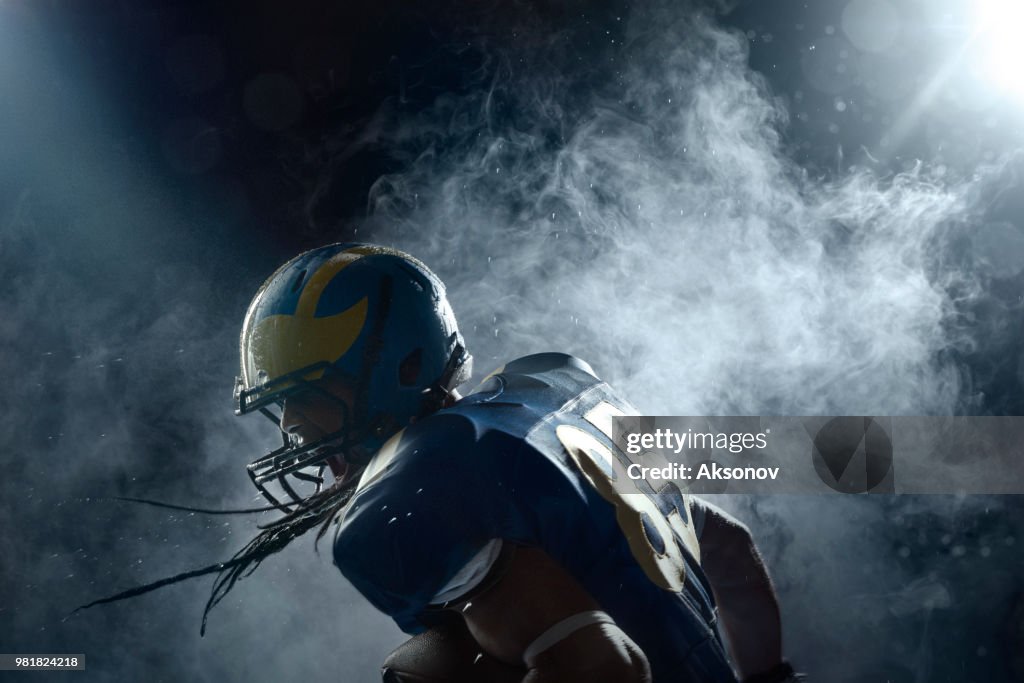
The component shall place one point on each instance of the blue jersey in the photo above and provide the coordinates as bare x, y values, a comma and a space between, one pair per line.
528, 458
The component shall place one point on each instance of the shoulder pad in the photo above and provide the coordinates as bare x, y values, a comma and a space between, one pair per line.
538, 364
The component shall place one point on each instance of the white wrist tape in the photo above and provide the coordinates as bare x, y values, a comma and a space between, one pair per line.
563, 629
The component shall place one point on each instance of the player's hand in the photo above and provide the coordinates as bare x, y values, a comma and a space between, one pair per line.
446, 654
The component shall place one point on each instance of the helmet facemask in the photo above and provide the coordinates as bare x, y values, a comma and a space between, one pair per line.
295, 472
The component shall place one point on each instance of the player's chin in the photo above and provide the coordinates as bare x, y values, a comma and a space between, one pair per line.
339, 468
343, 472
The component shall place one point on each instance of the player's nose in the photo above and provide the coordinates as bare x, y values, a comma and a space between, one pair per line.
292, 419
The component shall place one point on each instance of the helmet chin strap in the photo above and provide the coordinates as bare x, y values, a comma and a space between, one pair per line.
456, 371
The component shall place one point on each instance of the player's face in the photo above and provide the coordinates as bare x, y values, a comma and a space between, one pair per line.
320, 410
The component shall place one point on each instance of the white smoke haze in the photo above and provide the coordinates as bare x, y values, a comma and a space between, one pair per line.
652, 222
671, 242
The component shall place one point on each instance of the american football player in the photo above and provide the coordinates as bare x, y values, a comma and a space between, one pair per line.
485, 525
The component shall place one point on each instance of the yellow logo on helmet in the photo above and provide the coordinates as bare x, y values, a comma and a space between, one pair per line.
280, 344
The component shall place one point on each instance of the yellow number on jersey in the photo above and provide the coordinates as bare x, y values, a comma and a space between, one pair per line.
651, 523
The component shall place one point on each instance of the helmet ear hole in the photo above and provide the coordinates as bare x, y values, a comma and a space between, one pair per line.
409, 368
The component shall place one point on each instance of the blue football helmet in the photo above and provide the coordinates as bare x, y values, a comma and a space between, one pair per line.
376, 316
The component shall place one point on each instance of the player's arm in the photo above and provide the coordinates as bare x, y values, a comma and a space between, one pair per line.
539, 616
747, 605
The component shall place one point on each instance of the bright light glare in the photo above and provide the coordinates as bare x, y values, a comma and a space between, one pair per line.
1000, 37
